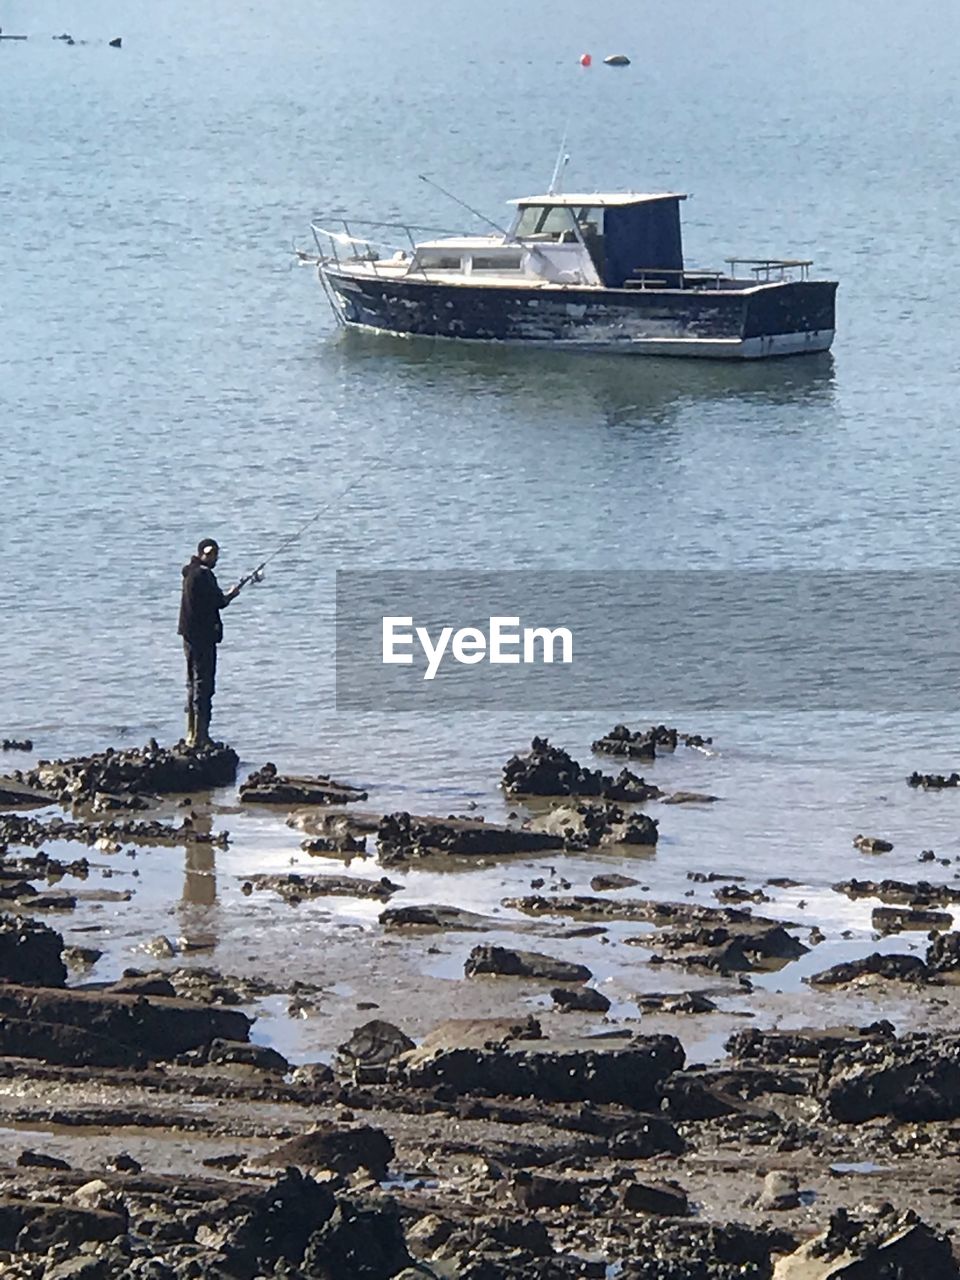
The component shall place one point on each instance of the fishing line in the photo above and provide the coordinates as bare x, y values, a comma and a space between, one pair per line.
256, 575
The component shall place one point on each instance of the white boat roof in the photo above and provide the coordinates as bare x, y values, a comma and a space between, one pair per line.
604, 199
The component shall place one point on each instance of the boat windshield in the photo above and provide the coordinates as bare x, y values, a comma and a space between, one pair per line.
555, 222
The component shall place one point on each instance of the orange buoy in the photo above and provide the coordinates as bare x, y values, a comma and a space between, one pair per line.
585, 60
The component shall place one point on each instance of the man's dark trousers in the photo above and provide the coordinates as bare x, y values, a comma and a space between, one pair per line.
201, 685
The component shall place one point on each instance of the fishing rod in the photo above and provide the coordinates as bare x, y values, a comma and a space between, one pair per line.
256, 575
462, 203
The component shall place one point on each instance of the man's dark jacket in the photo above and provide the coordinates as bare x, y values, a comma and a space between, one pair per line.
200, 605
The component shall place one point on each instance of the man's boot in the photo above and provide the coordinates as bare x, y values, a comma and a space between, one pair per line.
191, 736
201, 737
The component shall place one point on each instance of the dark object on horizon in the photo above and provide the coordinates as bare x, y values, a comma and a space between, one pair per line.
617, 60
66, 38
116, 43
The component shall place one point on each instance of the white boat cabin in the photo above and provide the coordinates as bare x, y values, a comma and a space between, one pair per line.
613, 241
602, 240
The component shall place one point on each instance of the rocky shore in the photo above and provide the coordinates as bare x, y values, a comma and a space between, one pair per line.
566, 1076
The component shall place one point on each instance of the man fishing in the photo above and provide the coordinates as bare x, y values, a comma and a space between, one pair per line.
202, 630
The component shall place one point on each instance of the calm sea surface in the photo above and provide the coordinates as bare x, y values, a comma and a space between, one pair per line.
167, 372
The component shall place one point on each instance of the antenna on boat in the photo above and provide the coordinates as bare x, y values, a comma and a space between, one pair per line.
563, 160
462, 203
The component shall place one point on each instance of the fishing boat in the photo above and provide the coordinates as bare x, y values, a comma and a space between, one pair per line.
593, 272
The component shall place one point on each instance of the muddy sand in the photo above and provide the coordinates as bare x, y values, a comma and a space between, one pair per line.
271, 1030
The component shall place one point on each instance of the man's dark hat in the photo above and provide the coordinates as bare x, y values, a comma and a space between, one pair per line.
205, 544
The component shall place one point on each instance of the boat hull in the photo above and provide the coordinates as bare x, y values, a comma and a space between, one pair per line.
779, 319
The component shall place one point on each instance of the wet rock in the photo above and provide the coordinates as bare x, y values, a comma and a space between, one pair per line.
150, 770
933, 781
160, 947
872, 844
586, 1000
240, 1053
30, 953
550, 771
296, 888
107, 836
666, 1199
781, 1191
590, 826
894, 967
611, 880
639, 744
17, 795
692, 1002
883, 1246
40, 1160
689, 797
313, 1075
344, 1149
912, 894
124, 1029
534, 1191
662, 1249
335, 822
404, 837
629, 1074
736, 893
371, 1048
16, 744
362, 1238
34, 1226
729, 948
146, 984
900, 919
806, 1045
435, 916
334, 846
267, 786
504, 961
123, 1162
916, 1078
943, 954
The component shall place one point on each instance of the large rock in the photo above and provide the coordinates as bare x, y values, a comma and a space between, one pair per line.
30, 953
427, 915
943, 953
550, 771
296, 888
884, 1246
806, 1045
590, 825
371, 1048
342, 1148
267, 786
915, 1079
631, 1074
138, 1029
729, 948
34, 1226
892, 966
125, 775
919, 893
506, 962
404, 837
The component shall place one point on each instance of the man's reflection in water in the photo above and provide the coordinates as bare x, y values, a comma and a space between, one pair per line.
199, 884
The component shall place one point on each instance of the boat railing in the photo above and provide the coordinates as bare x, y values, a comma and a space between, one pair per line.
768, 270
366, 247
